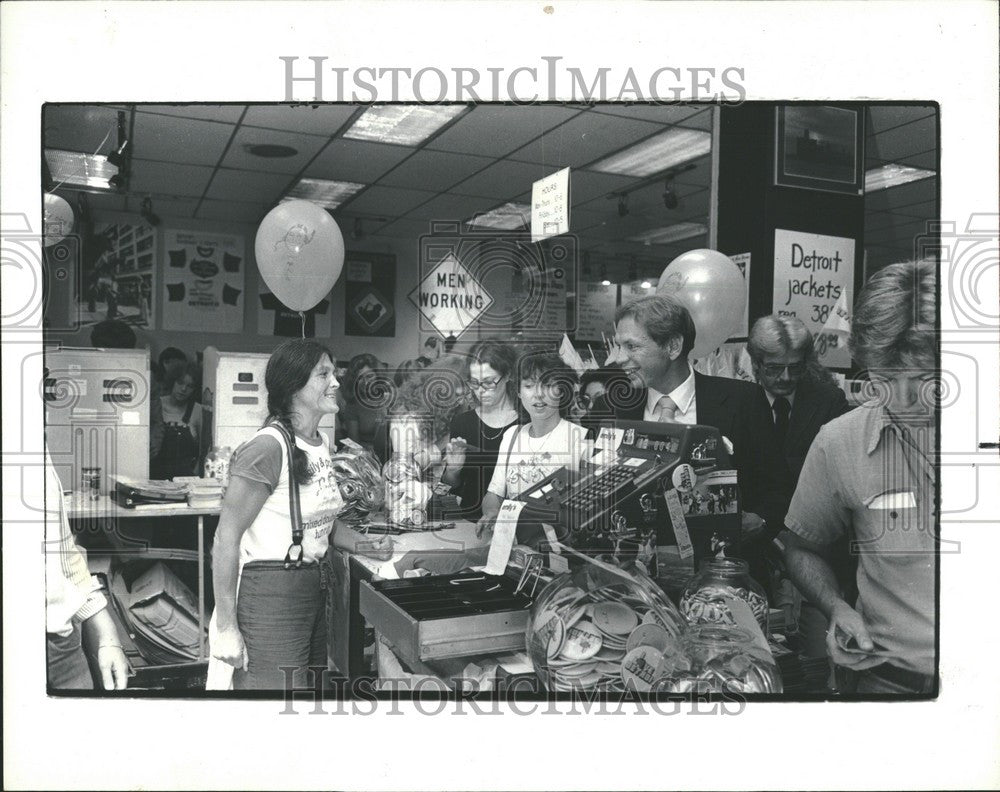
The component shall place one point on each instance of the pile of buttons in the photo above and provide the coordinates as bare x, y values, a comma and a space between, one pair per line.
591, 630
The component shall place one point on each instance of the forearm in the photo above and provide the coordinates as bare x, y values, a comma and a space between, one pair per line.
99, 631
225, 573
813, 575
491, 505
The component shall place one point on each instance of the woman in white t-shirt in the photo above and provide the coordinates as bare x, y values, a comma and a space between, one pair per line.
530, 452
270, 604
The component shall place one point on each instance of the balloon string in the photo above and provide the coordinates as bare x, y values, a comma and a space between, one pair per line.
302, 316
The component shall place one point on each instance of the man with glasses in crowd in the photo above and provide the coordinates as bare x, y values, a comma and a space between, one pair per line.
803, 396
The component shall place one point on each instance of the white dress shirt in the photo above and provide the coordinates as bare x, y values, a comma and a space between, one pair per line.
682, 396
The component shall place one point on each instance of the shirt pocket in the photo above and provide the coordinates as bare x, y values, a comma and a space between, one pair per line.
894, 522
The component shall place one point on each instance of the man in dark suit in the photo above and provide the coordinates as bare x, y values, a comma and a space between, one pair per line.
802, 394
803, 397
656, 334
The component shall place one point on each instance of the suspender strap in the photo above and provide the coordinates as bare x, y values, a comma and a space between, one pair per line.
294, 555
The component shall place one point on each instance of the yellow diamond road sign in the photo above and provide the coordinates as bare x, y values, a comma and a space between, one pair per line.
450, 298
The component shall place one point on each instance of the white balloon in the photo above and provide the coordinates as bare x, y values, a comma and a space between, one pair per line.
713, 290
300, 253
57, 221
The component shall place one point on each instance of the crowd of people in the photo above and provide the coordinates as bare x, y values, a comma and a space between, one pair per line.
495, 420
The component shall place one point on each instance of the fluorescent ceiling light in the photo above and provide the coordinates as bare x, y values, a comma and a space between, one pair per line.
892, 175
79, 169
330, 194
670, 148
674, 233
510, 216
406, 125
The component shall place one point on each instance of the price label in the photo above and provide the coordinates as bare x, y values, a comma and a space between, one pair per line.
676, 512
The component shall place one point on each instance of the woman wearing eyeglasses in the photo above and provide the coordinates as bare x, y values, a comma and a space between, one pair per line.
471, 454
270, 604
529, 452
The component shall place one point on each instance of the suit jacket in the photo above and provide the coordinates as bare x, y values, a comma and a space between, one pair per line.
740, 411
816, 403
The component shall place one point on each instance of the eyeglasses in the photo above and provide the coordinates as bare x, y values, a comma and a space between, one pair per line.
485, 384
777, 369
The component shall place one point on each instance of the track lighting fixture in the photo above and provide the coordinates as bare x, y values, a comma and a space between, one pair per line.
670, 199
604, 275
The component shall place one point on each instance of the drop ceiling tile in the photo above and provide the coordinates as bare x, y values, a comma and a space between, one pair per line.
228, 113
663, 114
502, 180
238, 157
170, 139
586, 185
585, 138
108, 202
236, 211
451, 207
391, 201
913, 138
240, 185
356, 161
499, 128
904, 195
882, 117
405, 229
89, 128
323, 119
164, 206
434, 170
169, 178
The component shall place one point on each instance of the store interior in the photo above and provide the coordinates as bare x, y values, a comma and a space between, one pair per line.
648, 183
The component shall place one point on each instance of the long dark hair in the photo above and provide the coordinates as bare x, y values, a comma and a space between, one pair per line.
501, 358
288, 371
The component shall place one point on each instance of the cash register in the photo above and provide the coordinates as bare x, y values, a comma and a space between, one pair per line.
621, 497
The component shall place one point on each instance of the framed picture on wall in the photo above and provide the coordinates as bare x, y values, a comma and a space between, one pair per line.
819, 147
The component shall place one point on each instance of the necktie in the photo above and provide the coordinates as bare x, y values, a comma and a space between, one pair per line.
665, 410
781, 409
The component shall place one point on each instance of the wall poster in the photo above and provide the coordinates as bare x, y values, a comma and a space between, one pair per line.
204, 281
370, 294
121, 281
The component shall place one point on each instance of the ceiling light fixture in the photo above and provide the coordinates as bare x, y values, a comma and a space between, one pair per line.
328, 194
655, 154
893, 175
76, 169
646, 285
673, 233
404, 125
508, 217
146, 212
117, 157
269, 150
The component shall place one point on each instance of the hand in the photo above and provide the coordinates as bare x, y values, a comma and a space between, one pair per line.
485, 525
228, 646
114, 667
751, 526
380, 548
850, 625
454, 452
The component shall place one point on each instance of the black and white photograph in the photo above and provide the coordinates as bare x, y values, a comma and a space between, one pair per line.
316, 415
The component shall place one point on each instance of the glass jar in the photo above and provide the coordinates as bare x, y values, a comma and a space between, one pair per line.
587, 623
217, 465
717, 659
703, 600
